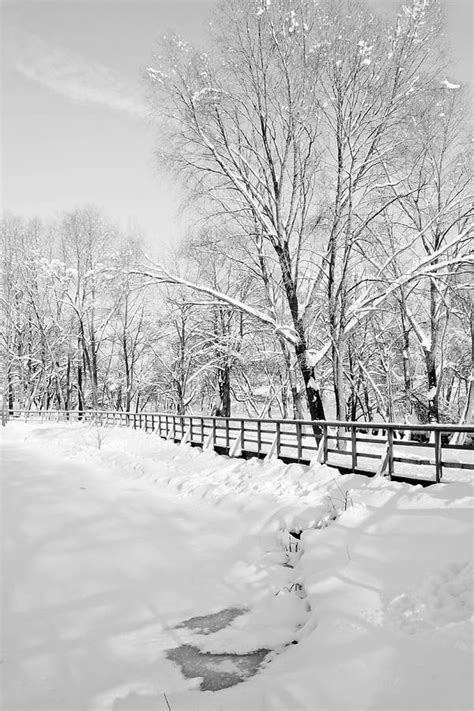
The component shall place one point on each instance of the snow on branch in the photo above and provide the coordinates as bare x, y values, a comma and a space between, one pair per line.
157, 273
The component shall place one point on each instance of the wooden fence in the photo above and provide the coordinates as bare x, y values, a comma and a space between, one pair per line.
392, 449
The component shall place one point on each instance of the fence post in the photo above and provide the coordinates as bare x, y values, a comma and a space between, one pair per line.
235, 449
210, 441
383, 462
202, 431
299, 441
259, 437
186, 436
390, 451
278, 440
321, 453
242, 434
227, 435
438, 462
354, 447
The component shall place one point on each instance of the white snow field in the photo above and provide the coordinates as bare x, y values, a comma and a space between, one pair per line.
113, 538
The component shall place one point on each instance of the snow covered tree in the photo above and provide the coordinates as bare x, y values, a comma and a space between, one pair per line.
290, 129
247, 134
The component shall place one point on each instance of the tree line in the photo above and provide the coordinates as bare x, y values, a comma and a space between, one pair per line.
329, 270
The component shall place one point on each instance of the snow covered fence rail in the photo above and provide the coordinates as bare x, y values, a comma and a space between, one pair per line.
400, 451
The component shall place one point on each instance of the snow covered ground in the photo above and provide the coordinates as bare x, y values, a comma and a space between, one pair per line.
113, 538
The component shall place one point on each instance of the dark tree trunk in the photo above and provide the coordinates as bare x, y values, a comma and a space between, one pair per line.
338, 377
433, 408
67, 403
11, 395
223, 383
80, 398
313, 395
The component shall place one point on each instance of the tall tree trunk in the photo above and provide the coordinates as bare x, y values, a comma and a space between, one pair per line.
313, 395
11, 393
338, 382
292, 377
430, 359
433, 408
80, 396
68, 386
223, 384
338, 376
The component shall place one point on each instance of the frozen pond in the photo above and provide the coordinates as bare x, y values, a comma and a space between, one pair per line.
218, 671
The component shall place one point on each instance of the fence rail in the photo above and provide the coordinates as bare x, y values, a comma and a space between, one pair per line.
387, 448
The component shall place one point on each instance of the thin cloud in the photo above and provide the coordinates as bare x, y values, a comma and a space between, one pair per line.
71, 74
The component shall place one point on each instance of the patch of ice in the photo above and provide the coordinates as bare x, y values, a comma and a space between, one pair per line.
218, 671
207, 624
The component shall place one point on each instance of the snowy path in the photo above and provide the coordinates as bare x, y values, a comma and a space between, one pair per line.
93, 576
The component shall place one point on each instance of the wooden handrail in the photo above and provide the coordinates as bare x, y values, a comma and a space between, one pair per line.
348, 424
292, 440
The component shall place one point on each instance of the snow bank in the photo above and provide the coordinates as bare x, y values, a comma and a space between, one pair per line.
296, 495
375, 587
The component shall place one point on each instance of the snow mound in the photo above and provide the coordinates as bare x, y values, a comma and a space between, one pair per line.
443, 598
271, 623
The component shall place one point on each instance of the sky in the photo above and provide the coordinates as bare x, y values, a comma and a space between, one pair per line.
74, 117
